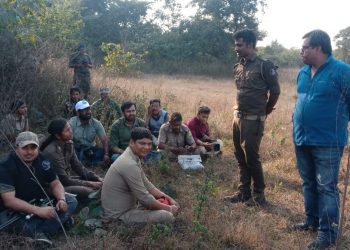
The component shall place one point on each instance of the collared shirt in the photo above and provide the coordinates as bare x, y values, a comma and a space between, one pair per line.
321, 112
106, 113
15, 176
168, 137
121, 133
254, 79
80, 58
13, 124
85, 135
198, 129
125, 184
64, 161
155, 123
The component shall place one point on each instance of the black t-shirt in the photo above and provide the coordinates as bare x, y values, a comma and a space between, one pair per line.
15, 176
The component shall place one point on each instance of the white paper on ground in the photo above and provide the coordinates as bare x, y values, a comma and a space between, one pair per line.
190, 161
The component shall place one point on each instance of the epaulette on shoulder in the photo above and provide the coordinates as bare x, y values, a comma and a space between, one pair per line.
263, 61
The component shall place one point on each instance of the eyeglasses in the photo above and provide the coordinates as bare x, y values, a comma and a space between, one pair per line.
303, 48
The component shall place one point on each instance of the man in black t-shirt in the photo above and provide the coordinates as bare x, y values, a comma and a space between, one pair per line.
23, 177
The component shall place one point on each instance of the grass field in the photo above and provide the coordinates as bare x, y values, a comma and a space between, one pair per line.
205, 221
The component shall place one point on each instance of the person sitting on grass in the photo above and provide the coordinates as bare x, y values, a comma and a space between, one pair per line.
105, 109
128, 195
59, 149
175, 138
119, 136
201, 134
69, 106
86, 130
24, 176
16, 121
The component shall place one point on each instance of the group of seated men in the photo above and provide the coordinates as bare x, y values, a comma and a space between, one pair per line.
53, 169
170, 136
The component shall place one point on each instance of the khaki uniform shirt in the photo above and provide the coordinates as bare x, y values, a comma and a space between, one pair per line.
254, 79
124, 185
85, 136
167, 136
64, 161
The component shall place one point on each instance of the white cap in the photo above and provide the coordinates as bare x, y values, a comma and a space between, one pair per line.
83, 104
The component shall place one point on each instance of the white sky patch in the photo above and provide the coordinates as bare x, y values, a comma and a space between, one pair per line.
288, 20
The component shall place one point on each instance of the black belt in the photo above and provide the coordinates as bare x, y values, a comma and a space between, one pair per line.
241, 115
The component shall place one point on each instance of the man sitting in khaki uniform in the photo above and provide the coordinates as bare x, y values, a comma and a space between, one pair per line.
127, 194
175, 138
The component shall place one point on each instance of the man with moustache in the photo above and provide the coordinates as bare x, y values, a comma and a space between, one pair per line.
121, 129
85, 131
320, 134
105, 109
69, 106
155, 118
16, 121
127, 194
23, 177
175, 138
257, 93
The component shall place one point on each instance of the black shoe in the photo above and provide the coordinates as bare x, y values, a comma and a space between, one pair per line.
237, 197
303, 227
41, 240
68, 224
255, 202
320, 244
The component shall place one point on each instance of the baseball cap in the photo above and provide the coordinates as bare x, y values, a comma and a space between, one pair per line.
82, 46
83, 104
104, 90
25, 138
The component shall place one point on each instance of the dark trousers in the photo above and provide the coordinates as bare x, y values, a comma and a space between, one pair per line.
247, 135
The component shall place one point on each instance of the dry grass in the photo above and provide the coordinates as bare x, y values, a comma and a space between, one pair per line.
222, 226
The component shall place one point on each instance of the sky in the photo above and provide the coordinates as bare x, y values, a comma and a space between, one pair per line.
288, 20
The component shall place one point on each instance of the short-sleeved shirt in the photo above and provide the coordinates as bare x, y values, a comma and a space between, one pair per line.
121, 133
125, 184
85, 135
198, 129
167, 136
321, 113
64, 161
106, 113
254, 79
15, 176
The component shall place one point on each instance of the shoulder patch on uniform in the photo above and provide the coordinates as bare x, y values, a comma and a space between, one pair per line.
46, 165
273, 72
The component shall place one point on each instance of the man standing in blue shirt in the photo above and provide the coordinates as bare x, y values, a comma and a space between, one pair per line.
320, 123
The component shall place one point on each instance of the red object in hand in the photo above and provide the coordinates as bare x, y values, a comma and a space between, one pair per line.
164, 201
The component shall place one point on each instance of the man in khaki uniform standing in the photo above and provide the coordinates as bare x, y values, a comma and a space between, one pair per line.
257, 93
